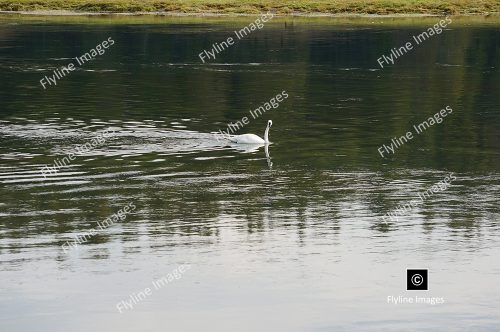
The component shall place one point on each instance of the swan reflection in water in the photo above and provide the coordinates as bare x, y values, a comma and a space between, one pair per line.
251, 148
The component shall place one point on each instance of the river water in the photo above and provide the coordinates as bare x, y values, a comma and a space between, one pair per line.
291, 237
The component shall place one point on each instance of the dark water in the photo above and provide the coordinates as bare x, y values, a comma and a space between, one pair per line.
291, 240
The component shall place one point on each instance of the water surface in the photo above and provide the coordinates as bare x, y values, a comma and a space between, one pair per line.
291, 240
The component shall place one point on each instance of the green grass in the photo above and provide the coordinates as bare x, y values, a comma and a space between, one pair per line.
381, 7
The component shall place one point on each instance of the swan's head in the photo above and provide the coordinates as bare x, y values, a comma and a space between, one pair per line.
266, 133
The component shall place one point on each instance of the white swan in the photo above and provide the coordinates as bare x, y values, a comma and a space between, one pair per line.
252, 138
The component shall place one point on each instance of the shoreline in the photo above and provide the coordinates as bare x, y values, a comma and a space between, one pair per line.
62, 12
232, 8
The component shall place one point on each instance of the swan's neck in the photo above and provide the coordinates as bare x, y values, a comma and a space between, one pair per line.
266, 135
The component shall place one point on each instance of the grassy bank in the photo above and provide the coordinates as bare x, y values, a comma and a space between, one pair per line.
381, 7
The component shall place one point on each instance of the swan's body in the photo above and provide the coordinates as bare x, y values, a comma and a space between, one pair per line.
247, 139
252, 138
